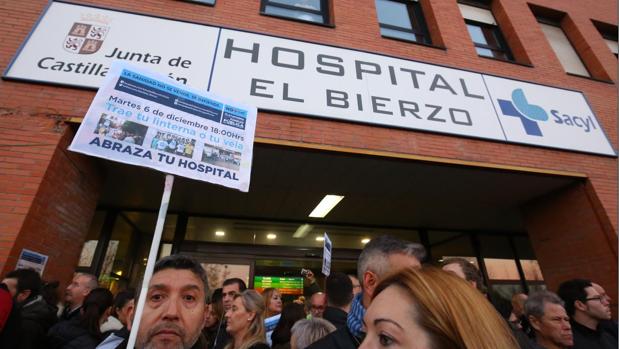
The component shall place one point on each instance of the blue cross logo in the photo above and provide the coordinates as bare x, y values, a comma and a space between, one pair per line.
529, 114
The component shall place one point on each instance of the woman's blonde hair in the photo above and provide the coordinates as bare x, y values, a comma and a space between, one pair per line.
253, 302
454, 314
267, 294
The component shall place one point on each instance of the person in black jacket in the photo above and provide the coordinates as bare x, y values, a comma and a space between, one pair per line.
291, 313
339, 297
587, 309
84, 331
380, 256
31, 317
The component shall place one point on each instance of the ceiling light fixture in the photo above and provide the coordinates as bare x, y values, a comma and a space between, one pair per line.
365, 241
320, 238
302, 231
220, 233
325, 206
271, 236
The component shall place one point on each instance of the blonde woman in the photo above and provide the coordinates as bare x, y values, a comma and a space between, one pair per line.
245, 321
434, 309
272, 301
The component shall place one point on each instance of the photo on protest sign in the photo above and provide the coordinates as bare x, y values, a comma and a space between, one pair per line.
173, 144
221, 157
123, 130
142, 118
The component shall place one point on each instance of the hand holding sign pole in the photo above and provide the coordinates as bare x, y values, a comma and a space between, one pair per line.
142, 118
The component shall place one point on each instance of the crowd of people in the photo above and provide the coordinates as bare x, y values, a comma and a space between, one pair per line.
393, 301
173, 144
127, 131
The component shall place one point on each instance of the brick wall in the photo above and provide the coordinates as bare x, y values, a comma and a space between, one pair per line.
567, 226
355, 27
49, 194
27, 144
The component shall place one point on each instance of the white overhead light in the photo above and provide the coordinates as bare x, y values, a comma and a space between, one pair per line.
320, 238
325, 205
365, 241
302, 231
220, 233
271, 236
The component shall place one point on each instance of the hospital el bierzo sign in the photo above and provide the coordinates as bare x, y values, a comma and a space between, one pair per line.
75, 45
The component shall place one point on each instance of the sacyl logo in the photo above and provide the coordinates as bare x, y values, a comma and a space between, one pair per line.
529, 114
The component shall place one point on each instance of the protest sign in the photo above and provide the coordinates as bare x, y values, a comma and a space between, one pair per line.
32, 260
142, 118
326, 256
146, 119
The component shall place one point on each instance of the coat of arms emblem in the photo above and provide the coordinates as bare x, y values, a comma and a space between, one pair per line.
85, 37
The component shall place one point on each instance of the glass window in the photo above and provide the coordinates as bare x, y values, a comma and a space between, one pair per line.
609, 34
612, 45
498, 257
564, 50
90, 245
446, 244
208, 2
530, 266
402, 19
485, 33
316, 11
132, 232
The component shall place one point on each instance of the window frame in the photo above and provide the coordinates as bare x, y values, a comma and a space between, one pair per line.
325, 12
502, 47
417, 20
557, 23
202, 2
608, 33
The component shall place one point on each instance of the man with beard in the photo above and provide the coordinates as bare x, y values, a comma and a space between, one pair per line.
175, 310
31, 316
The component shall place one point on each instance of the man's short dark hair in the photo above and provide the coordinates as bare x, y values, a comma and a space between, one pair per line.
339, 289
177, 261
571, 291
471, 273
122, 298
232, 281
27, 279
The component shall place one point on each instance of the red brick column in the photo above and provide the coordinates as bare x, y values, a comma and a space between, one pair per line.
48, 195
573, 238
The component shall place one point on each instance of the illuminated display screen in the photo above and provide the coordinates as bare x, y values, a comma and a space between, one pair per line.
285, 285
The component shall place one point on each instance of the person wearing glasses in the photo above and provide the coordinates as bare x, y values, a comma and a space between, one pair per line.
609, 326
586, 308
318, 304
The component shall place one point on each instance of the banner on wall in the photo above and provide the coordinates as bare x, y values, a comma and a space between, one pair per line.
75, 45
146, 119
